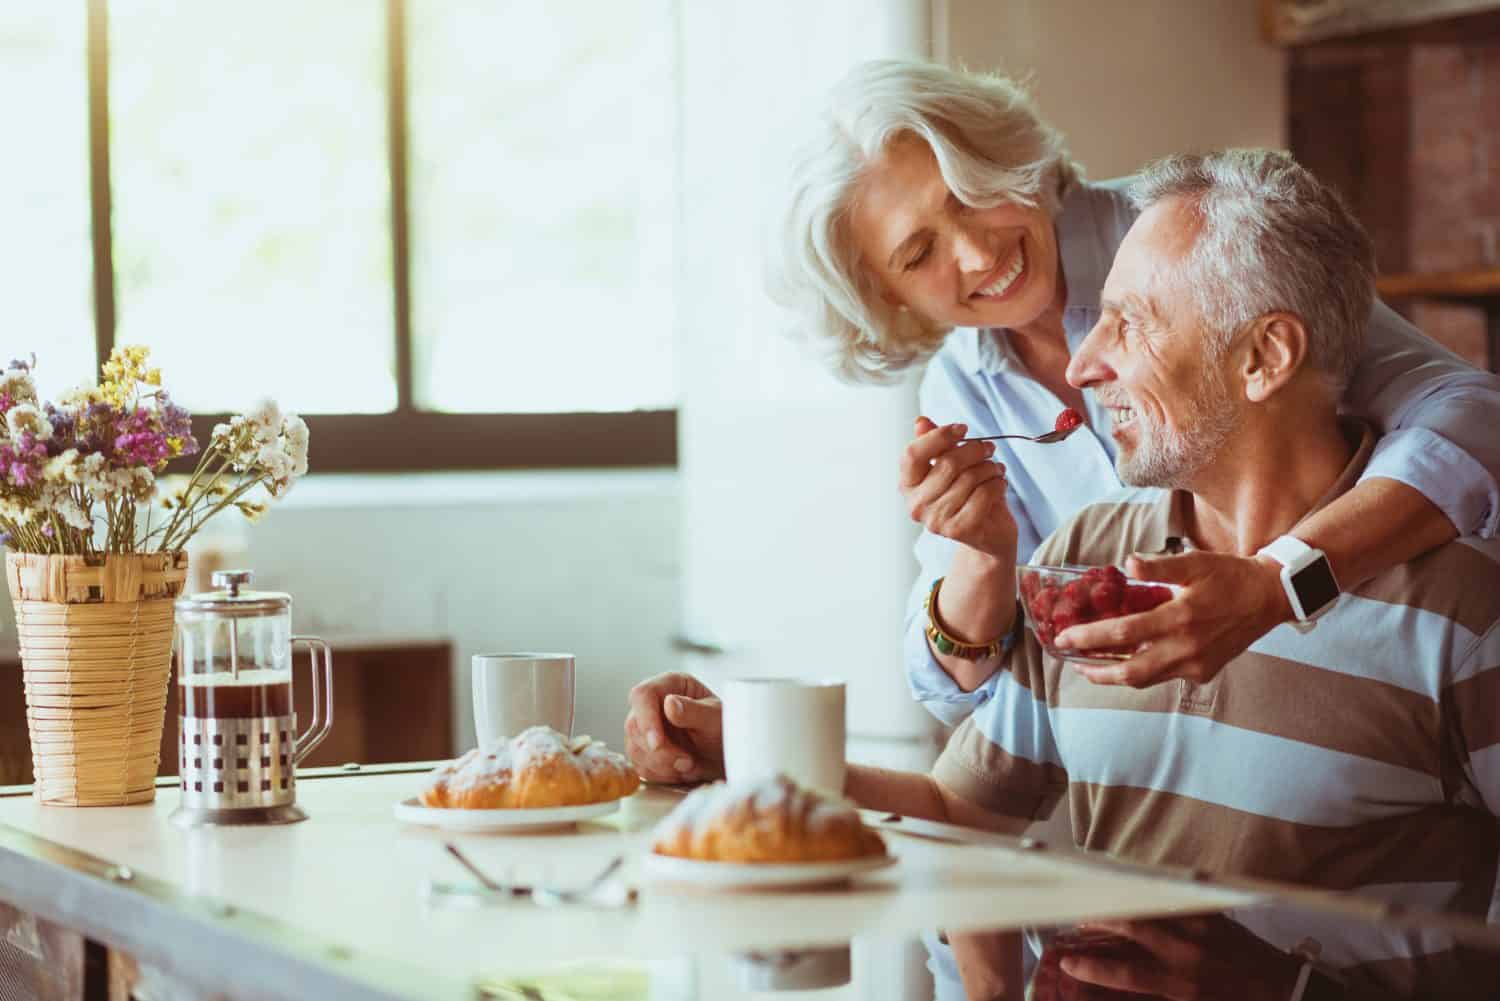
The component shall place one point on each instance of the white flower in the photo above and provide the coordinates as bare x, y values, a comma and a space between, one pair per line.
16, 511
265, 418
73, 514
91, 476
296, 438
64, 468
18, 385
28, 417
277, 467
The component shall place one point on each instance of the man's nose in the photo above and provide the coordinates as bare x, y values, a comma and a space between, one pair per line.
1088, 367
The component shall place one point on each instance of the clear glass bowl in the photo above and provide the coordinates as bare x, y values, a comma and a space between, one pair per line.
1056, 597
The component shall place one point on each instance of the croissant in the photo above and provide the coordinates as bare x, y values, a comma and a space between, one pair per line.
538, 768
773, 820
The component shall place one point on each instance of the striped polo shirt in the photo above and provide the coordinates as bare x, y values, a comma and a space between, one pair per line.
1361, 756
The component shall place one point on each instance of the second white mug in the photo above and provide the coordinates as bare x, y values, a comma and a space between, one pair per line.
513, 691
787, 726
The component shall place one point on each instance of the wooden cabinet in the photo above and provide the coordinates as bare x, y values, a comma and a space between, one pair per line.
392, 701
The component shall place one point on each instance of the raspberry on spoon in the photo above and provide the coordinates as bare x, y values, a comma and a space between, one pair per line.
1068, 420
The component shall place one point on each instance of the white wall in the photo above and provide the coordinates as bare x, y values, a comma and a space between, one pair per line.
584, 562
1129, 80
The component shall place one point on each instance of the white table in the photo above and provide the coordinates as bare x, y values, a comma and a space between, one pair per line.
335, 903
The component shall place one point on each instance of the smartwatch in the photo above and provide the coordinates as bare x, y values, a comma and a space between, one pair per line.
1306, 577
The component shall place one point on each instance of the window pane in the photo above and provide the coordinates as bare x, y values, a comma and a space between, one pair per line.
252, 199
542, 203
45, 254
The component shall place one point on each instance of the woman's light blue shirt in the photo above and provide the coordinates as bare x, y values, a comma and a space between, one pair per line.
1440, 417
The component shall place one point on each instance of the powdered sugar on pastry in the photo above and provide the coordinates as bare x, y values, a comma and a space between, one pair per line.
538, 767
763, 821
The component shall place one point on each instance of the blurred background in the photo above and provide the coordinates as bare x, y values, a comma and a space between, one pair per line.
505, 256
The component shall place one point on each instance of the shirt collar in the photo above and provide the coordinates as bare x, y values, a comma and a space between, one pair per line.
1086, 253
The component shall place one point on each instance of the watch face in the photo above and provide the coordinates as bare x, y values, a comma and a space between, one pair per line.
1315, 586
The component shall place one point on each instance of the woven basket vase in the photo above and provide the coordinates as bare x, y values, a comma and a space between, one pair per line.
96, 653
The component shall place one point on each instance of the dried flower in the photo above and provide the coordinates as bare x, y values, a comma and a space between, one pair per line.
265, 420
24, 417
101, 448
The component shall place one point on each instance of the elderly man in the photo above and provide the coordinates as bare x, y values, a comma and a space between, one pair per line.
1362, 753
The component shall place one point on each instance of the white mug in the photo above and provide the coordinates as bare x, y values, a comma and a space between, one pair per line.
786, 726
513, 691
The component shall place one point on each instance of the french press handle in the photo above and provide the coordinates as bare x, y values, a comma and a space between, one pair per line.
322, 719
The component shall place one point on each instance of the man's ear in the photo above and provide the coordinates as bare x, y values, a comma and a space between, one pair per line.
1273, 350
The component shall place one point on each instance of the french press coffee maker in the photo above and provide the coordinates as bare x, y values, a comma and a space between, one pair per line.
237, 740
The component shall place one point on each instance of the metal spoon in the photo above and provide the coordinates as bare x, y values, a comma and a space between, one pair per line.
1050, 438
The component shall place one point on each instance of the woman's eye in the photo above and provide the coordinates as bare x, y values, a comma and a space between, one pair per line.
916, 262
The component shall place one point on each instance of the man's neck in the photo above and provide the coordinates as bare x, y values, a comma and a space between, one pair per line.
1267, 478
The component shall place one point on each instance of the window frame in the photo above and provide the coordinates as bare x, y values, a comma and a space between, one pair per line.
408, 438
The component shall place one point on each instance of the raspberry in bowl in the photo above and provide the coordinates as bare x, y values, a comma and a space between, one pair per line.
1056, 598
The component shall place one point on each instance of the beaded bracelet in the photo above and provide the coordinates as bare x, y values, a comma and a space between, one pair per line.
947, 645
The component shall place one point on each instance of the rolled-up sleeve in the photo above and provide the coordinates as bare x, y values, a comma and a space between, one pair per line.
1441, 419
930, 685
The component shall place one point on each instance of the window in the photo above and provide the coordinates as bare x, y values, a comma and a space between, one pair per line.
45, 253
473, 271
252, 200
542, 155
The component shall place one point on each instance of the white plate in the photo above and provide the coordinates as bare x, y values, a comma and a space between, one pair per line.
549, 818
757, 875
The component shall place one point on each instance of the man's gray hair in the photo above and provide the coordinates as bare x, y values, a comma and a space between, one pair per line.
1273, 238
991, 147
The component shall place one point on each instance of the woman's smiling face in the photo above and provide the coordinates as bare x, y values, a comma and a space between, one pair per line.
953, 264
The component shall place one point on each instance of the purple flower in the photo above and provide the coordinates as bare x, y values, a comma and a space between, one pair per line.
24, 366
142, 448
4, 538
176, 422
22, 459
47, 530
6, 402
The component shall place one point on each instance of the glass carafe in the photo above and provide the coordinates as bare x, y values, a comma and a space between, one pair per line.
238, 745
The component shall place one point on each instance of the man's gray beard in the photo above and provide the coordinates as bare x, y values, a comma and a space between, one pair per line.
1170, 459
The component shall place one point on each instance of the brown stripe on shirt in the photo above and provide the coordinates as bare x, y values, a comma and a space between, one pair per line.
1475, 702
1108, 533
1284, 698
997, 780
1443, 582
1436, 844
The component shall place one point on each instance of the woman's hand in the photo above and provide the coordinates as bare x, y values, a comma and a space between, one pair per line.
1189, 959
1225, 603
955, 490
674, 731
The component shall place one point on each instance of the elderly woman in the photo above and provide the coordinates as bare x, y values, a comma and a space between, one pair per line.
939, 218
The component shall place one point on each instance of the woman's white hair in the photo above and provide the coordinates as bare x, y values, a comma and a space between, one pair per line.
991, 147
1273, 238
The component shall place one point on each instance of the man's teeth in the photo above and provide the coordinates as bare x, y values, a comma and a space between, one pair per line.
1011, 274
1123, 415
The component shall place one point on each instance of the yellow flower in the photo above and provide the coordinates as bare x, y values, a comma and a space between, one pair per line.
153, 377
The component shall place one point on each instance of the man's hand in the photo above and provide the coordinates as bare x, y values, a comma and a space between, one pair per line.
1190, 959
1225, 603
674, 731
955, 490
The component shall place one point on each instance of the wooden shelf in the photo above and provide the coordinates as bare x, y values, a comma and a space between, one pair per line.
1298, 22
1450, 285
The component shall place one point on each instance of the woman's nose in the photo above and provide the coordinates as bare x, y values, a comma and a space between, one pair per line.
971, 252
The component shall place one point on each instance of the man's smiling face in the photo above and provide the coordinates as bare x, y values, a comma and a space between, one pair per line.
1151, 359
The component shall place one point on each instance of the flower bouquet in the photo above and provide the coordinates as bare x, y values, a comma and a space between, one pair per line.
95, 558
